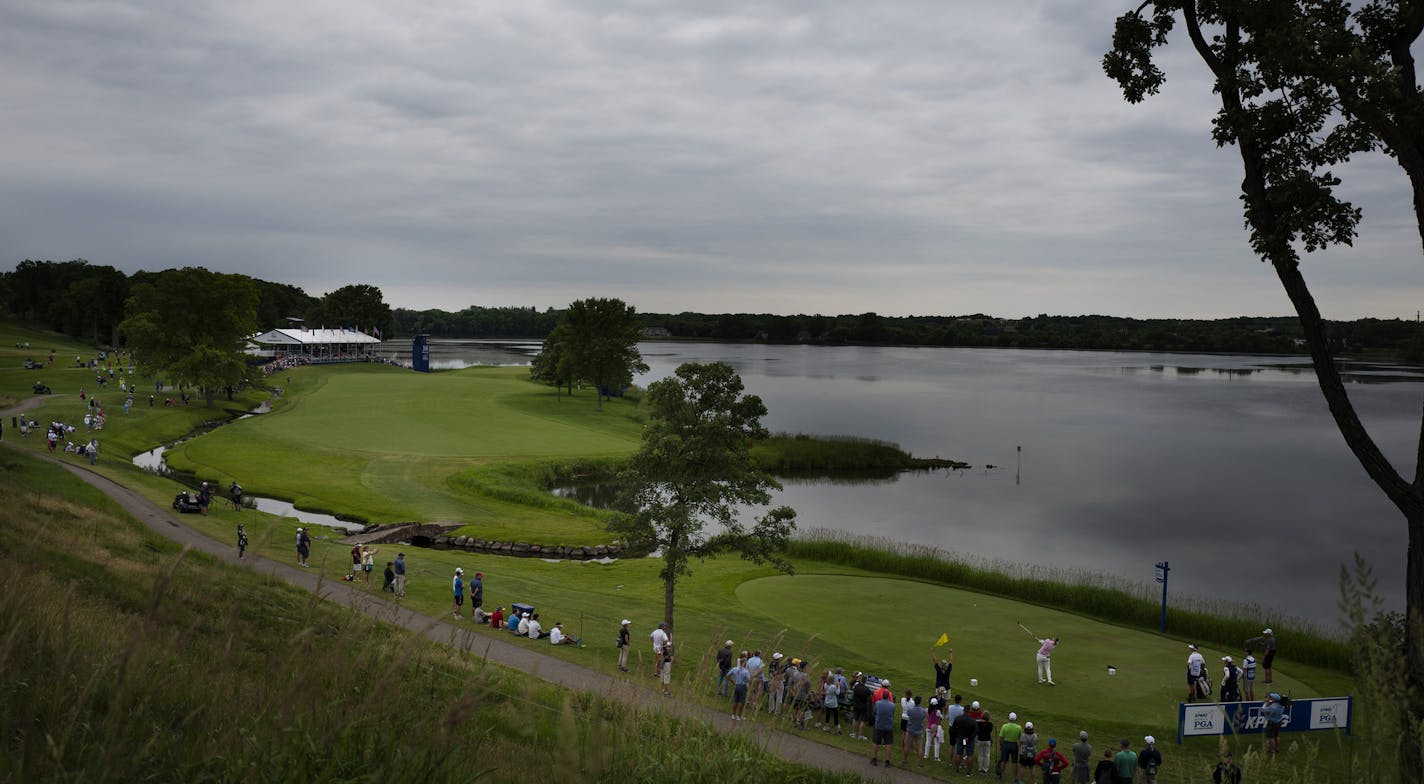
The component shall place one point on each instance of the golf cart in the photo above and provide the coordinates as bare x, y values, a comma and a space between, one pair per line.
186, 503
42, 389
30, 364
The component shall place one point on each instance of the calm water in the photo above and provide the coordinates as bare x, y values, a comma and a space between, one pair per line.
1228, 467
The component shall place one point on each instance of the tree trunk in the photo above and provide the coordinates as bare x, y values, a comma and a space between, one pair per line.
669, 583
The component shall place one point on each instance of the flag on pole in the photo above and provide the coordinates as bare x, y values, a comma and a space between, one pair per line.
943, 640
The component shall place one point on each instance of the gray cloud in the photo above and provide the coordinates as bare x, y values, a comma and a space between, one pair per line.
914, 157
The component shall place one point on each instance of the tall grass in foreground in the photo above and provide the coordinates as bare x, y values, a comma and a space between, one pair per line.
1102, 596
125, 660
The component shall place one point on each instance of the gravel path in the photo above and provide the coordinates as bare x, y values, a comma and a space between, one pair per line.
489, 646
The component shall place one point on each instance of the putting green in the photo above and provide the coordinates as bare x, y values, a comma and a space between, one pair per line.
385, 444
891, 625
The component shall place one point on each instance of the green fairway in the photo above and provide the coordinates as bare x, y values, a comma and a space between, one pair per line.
384, 444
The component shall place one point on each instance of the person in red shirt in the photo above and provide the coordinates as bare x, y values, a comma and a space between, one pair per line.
1051, 762
882, 693
496, 618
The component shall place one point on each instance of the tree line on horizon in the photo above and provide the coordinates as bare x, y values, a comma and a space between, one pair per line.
87, 301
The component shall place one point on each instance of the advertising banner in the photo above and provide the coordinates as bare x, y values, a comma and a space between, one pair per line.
1243, 718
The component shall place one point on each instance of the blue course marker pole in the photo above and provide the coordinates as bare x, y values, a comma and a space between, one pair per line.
1162, 569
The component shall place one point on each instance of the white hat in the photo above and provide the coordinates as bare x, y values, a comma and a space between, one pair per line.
974, 705
458, 570
1083, 735
626, 621
1150, 740
885, 682
1226, 659
729, 643
1192, 645
935, 701
776, 655
1013, 716
1028, 725
1267, 630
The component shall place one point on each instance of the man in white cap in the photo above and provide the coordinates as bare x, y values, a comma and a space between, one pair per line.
1196, 663
459, 588
1149, 759
1009, 735
624, 638
1230, 680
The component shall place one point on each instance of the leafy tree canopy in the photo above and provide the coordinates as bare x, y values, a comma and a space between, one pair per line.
694, 470
192, 325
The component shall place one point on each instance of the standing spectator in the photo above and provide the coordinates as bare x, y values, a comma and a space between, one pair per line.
740, 678
955, 709
1196, 664
934, 730
399, 583
1126, 763
906, 702
860, 707
1106, 772
1226, 771
1051, 762
1082, 758
625, 638
1045, 660
758, 670
1149, 759
830, 700
1248, 680
355, 561
205, 499
458, 585
883, 692
1230, 680
303, 543
1267, 644
94, 452
390, 575
942, 668
774, 681
884, 732
477, 592
667, 667
1028, 749
660, 641
1009, 734
964, 730
368, 561
914, 731
234, 493
724, 666
842, 688
241, 542
1274, 712
984, 740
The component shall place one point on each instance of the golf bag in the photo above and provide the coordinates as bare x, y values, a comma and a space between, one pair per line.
1203, 684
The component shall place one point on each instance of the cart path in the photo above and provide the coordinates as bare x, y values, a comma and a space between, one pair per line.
486, 645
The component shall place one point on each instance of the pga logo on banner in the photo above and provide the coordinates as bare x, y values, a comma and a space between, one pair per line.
1204, 720
1329, 714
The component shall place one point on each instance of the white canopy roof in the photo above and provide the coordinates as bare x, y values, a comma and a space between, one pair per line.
313, 337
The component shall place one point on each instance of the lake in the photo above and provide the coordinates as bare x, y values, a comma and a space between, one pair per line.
1228, 467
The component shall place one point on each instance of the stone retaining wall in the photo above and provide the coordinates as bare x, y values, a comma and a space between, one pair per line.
437, 536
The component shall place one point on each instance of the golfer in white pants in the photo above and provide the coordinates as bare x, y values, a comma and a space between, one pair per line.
1045, 660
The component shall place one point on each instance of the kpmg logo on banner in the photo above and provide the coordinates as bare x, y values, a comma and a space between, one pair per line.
1253, 721
1204, 720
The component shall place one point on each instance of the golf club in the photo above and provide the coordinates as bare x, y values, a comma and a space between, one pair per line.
1031, 634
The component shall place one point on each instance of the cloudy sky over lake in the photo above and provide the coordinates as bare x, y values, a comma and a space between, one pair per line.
779, 156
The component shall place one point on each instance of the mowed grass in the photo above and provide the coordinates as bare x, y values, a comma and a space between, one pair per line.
382, 444
17, 383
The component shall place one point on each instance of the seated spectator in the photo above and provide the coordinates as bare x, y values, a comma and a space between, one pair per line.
514, 623
535, 631
496, 619
557, 636
523, 627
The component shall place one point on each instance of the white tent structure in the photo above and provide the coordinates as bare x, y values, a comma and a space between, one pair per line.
316, 345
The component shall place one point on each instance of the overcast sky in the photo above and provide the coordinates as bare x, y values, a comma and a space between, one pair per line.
816, 156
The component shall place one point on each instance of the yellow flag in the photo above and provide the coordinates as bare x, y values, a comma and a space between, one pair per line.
943, 640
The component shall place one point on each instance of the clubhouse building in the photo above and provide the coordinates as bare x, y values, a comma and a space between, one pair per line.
313, 345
